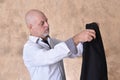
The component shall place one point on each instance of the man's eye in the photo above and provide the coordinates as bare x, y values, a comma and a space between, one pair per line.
46, 20
42, 23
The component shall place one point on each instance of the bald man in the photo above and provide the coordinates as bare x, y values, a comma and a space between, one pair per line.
43, 56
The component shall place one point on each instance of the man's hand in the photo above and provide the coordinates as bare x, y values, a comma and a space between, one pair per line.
84, 36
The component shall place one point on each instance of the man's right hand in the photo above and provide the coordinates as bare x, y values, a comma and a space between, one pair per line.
84, 36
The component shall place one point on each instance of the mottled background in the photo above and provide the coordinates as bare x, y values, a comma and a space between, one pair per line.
66, 18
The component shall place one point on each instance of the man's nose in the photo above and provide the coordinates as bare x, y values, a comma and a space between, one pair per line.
46, 24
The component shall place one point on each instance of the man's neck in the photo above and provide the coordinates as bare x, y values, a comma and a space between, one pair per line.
45, 38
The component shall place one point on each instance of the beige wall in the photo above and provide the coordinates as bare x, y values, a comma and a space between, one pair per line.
66, 18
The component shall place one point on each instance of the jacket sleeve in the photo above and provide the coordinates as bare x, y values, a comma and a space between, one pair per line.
35, 56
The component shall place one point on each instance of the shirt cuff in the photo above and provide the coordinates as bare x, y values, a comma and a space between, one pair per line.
71, 45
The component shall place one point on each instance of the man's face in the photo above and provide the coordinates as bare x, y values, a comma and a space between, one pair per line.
40, 27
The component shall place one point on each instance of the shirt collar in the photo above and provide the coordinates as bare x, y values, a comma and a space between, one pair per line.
34, 38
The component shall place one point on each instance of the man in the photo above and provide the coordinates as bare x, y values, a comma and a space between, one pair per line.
44, 60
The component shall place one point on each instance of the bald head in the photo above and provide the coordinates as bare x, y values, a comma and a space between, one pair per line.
31, 16
37, 23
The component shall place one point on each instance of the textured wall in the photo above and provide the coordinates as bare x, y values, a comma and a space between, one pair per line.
66, 18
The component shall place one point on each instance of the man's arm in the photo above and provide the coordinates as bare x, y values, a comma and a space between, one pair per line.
75, 43
35, 56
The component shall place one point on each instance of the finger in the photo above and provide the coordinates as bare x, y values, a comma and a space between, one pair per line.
91, 31
90, 38
93, 35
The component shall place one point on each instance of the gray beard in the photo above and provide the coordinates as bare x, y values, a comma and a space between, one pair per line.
45, 35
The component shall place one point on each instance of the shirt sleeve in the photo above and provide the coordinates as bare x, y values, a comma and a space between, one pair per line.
71, 46
75, 50
33, 55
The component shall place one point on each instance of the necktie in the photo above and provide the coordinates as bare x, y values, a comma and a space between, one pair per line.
46, 41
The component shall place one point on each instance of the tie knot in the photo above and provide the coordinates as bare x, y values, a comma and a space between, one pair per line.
45, 41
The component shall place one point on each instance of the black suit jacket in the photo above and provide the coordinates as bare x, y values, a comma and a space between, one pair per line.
94, 65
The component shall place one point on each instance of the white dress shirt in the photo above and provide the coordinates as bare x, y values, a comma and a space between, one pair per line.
45, 63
